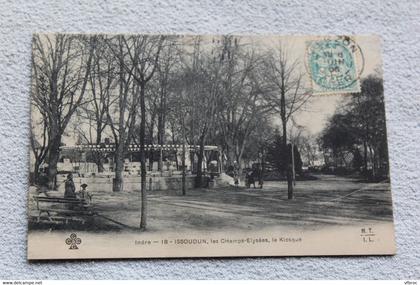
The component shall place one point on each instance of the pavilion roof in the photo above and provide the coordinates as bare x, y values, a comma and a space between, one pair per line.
135, 147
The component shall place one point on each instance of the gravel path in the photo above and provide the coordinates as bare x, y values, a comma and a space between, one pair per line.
328, 201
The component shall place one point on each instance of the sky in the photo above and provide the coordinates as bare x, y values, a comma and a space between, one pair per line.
319, 108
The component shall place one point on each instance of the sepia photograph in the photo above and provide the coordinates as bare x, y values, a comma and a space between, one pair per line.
149, 146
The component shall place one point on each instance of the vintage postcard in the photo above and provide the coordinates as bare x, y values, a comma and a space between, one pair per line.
146, 146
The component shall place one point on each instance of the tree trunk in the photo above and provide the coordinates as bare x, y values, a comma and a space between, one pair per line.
98, 155
372, 158
239, 153
184, 190
151, 151
174, 143
176, 159
284, 137
231, 154
143, 219
289, 189
365, 146
284, 141
192, 159
53, 157
118, 184
160, 136
239, 160
99, 162
199, 177
283, 116
365, 160
151, 158
36, 170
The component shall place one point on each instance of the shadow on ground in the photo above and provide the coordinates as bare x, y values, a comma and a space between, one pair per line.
327, 201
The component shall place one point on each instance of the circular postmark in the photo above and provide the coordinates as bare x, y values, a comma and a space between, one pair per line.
332, 64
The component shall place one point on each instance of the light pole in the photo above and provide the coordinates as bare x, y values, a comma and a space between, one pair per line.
292, 179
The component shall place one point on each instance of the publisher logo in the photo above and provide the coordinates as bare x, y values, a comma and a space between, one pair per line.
73, 241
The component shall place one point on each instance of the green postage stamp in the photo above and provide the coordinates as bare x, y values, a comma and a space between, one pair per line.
334, 65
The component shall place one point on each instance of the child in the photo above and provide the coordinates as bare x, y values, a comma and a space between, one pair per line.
83, 193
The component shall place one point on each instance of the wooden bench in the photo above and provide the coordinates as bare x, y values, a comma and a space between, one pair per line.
59, 209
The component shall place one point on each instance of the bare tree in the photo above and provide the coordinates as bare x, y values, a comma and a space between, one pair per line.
122, 114
157, 95
243, 90
39, 141
101, 83
200, 93
164, 80
143, 56
39, 145
61, 65
152, 109
288, 89
288, 94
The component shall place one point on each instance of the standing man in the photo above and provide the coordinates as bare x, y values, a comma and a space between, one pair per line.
70, 189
